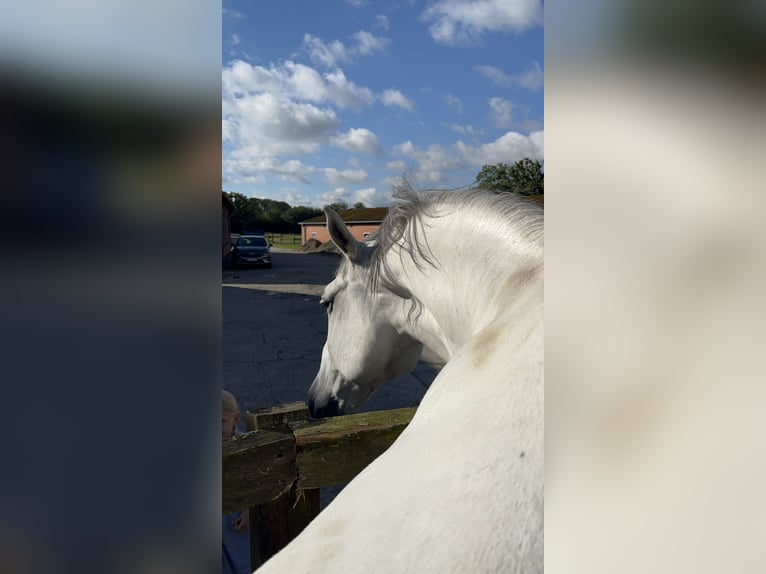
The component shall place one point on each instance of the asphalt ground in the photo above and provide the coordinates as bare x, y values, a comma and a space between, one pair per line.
273, 332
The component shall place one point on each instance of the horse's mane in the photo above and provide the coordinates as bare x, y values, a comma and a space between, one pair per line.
404, 224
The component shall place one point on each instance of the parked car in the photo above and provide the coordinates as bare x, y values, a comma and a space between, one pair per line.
251, 250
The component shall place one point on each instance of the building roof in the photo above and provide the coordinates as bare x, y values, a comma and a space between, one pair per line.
364, 215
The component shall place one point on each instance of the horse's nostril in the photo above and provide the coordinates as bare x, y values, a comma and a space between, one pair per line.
316, 411
331, 409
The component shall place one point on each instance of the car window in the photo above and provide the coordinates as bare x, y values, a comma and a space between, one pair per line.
251, 242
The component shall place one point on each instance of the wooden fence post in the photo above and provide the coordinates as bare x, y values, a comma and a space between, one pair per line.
274, 524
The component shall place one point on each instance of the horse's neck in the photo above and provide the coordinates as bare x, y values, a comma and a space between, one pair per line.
475, 276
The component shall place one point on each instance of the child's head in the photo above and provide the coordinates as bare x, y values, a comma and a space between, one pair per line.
229, 414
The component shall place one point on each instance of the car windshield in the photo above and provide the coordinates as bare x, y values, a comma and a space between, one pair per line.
251, 242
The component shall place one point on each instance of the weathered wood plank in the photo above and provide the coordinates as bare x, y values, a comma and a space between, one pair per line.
261, 465
256, 467
275, 523
278, 522
270, 417
334, 450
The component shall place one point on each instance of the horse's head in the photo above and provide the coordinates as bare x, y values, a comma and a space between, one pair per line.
366, 339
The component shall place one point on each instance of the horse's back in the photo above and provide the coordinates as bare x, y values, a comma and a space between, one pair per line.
461, 490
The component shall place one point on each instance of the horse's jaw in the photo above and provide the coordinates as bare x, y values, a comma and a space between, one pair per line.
331, 394
326, 397
323, 404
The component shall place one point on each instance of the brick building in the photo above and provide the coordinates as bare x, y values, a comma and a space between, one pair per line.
361, 223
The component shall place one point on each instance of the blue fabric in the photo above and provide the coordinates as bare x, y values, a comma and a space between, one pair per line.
236, 547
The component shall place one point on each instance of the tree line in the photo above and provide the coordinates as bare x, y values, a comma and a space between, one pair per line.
524, 177
257, 214
254, 213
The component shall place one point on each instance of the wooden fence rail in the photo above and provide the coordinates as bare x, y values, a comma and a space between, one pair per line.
277, 468
282, 238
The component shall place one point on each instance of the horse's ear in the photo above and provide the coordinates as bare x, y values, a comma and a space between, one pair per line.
340, 235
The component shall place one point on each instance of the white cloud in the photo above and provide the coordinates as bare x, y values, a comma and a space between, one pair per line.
382, 22
467, 130
260, 126
335, 177
294, 197
531, 79
406, 148
359, 140
337, 194
344, 93
508, 148
367, 43
392, 181
465, 21
495, 74
454, 102
288, 80
371, 197
293, 81
250, 168
231, 13
272, 125
282, 110
500, 111
271, 111
335, 52
397, 165
393, 98
257, 179
432, 163
356, 2
325, 54
234, 41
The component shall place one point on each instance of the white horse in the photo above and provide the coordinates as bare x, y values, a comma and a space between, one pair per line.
461, 489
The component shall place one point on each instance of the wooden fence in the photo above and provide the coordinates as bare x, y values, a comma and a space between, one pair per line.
283, 238
277, 468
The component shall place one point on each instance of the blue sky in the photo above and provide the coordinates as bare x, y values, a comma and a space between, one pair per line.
336, 100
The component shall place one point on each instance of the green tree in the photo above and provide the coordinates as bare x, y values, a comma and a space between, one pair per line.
359, 205
524, 177
338, 206
300, 213
239, 200
248, 212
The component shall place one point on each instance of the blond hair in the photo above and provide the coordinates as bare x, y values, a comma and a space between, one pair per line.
229, 404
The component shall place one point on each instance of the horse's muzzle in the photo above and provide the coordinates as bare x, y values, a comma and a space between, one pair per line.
330, 409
